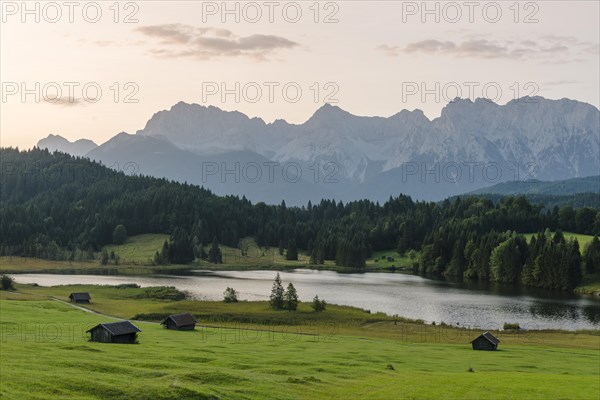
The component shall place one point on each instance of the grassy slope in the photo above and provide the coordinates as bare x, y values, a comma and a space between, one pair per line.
582, 239
139, 249
400, 261
45, 355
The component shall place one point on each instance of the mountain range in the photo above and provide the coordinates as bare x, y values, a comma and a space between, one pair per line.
335, 154
58, 143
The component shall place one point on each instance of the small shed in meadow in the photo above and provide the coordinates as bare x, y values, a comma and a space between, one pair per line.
180, 322
115, 332
82, 297
485, 341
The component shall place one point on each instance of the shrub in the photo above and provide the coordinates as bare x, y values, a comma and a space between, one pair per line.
318, 305
162, 293
7, 283
230, 295
127, 286
119, 234
509, 326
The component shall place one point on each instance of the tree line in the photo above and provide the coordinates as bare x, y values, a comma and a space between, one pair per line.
56, 206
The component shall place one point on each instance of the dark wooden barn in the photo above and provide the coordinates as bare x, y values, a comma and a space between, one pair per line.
485, 341
180, 322
83, 297
115, 332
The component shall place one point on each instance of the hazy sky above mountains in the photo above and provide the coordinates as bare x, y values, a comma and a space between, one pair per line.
371, 58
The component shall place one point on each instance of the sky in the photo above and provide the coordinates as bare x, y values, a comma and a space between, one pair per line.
94, 69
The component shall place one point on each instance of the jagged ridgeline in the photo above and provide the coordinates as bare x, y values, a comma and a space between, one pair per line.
471, 145
56, 206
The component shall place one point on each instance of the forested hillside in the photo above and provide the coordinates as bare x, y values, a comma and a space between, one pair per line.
55, 206
588, 184
579, 200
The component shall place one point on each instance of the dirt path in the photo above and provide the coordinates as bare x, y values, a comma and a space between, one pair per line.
202, 326
95, 312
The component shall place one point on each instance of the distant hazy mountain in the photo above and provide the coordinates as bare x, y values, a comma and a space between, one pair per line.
344, 156
58, 143
589, 184
236, 172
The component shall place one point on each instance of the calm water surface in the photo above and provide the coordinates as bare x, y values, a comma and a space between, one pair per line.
409, 296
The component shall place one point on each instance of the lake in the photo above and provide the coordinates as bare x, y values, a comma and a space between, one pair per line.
411, 296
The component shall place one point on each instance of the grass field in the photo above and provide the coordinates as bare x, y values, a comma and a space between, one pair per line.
45, 354
137, 253
379, 260
127, 303
582, 239
256, 257
139, 249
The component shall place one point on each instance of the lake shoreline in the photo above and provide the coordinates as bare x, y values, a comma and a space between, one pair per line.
591, 290
408, 295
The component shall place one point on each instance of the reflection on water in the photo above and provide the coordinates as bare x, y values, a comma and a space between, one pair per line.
480, 305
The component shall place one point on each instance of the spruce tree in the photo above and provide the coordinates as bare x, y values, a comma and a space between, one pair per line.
591, 256
292, 251
165, 253
214, 254
104, 257
291, 298
313, 256
277, 294
119, 234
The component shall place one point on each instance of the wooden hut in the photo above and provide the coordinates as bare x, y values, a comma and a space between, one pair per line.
485, 341
115, 332
180, 322
83, 297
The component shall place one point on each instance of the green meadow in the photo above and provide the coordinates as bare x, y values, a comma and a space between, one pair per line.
139, 249
379, 261
582, 239
45, 354
137, 253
